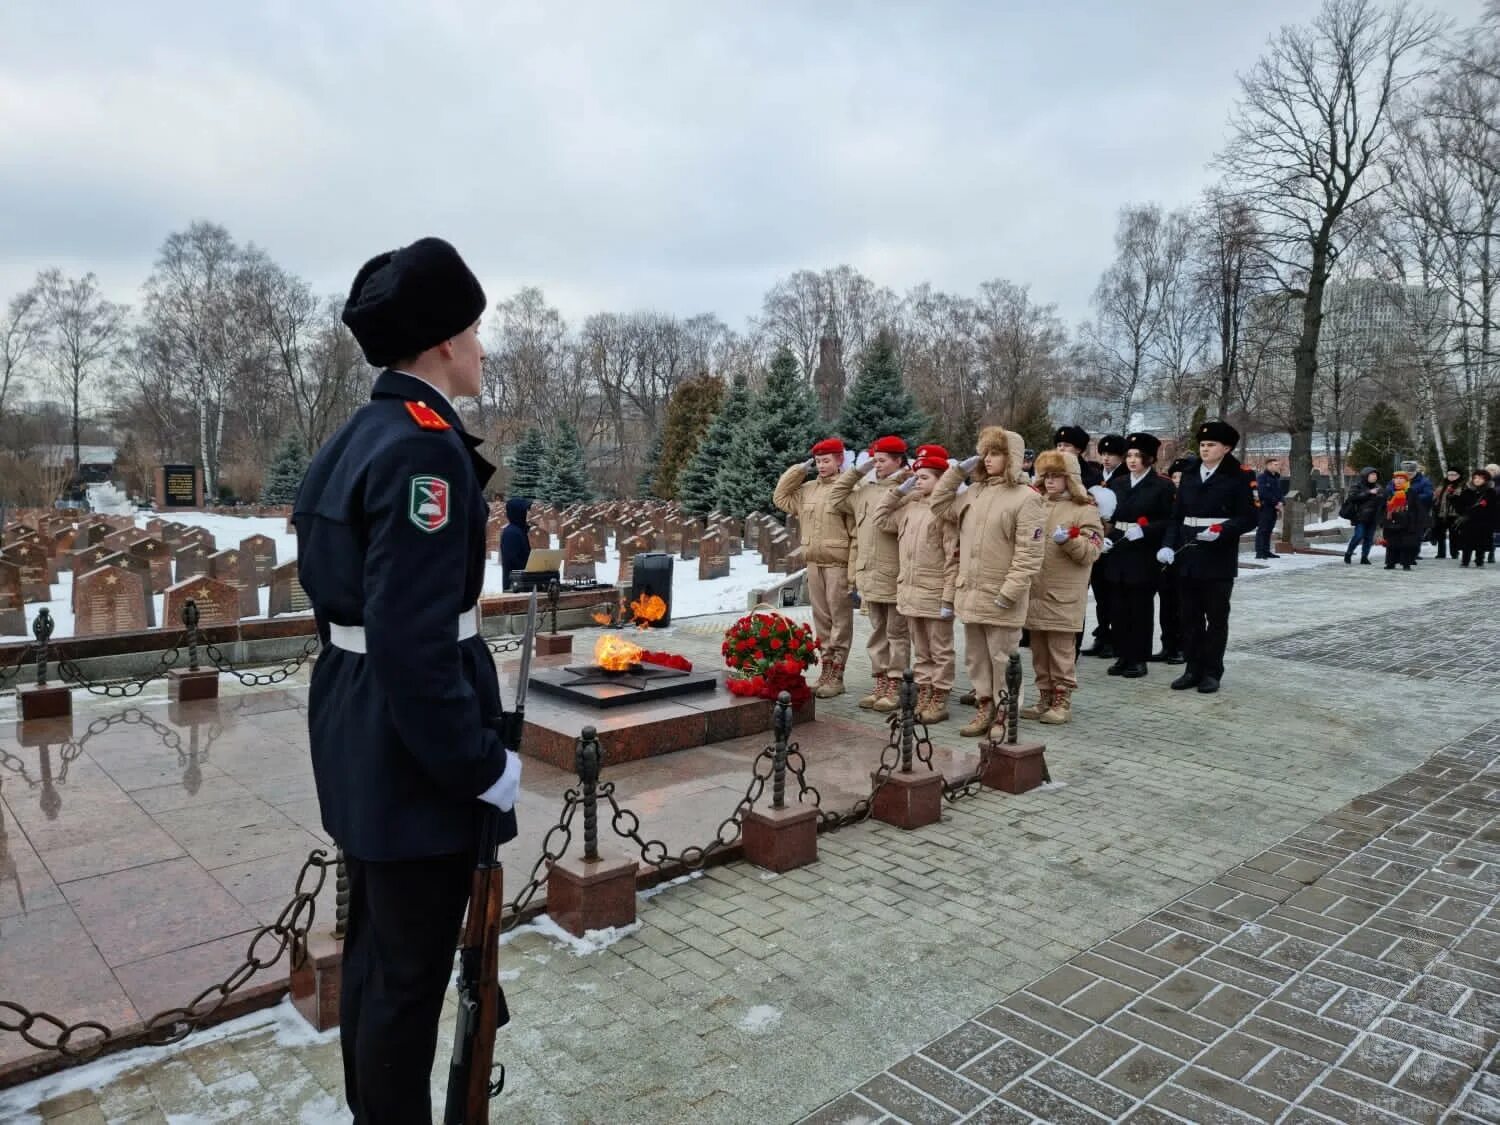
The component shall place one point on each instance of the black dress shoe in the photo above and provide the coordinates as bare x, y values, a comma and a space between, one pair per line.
1118, 668
1208, 685
1134, 671
1175, 657
1185, 681
1273, 555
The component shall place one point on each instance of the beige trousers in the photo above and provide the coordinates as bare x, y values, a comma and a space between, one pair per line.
890, 640
833, 616
1054, 659
987, 650
932, 644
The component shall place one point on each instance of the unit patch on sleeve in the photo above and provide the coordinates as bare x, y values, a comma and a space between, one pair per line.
427, 506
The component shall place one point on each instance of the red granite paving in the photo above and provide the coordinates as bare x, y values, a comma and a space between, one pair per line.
141, 846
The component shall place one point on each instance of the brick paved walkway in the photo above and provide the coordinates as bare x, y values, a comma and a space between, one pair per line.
746, 997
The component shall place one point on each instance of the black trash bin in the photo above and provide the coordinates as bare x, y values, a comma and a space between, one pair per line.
653, 575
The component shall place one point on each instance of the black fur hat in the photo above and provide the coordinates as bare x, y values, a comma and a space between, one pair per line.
1112, 443
1076, 436
1220, 431
1148, 444
405, 301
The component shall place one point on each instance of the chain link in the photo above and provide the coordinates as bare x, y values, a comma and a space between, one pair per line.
120, 689
13, 670
283, 671
551, 852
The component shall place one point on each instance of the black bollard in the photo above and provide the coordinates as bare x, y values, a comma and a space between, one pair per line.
340, 895
588, 756
41, 629
190, 623
554, 595
781, 723
908, 717
1013, 699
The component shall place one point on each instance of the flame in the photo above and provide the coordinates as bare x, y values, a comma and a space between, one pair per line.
602, 618
616, 654
648, 609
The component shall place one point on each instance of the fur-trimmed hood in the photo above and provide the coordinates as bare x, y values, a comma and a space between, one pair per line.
997, 439
1053, 461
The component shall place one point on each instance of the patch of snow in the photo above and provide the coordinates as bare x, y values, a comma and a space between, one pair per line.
651, 892
760, 1018
592, 941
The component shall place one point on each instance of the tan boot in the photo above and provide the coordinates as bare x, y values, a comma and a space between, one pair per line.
831, 683
890, 699
979, 725
876, 694
936, 709
1039, 708
1060, 711
924, 693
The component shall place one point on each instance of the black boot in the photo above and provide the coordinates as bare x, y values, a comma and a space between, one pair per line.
1188, 679
1134, 671
1348, 558
1208, 685
1118, 668
1364, 560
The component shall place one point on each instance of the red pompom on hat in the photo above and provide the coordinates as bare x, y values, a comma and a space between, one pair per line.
833, 445
889, 444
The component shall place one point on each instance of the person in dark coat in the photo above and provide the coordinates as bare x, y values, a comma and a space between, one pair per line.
1445, 510
404, 709
1479, 517
1074, 440
1271, 491
515, 539
1420, 498
1112, 467
1168, 609
1215, 506
1401, 524
1129, 566
1362, 507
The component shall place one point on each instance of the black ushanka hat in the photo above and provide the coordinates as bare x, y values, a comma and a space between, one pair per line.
405, 301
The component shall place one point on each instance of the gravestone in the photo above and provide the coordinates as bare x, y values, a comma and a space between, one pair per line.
109, 600
90, 558
63, 541
190, 560
537, 536
218, 602
141, 567
31, 557
713, 559
122, 539
202, 536
287, 594
596, 537
172, 532
578, 558
91, 533
492, 529
159, 557
692, 539
238, 569
775, 547
12, 613
262, 552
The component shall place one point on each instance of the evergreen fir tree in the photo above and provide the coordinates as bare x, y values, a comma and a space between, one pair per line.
527, 463
690, 410
645, 483
565, 477
285, 474
1189, 439
782, 427
698, 483
878, 403
1383, 440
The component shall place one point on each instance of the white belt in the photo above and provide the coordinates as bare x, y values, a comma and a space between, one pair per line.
351, 638
1202, 521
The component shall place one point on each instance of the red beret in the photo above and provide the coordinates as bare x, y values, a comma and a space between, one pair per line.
831, 445
931, 457
889, 444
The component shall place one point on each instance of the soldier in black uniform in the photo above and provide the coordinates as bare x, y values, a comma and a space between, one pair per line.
1111, 467
405, 703
1129, 568
1215, 506
1168, 611
1074, 440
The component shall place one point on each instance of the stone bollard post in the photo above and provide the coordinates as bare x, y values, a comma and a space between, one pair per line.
187, 684
908, 798
1013, 766
781, 838
43, 700
317, 968
595, 891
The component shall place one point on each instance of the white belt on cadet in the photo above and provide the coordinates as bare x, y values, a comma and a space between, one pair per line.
1202, 521
351, 638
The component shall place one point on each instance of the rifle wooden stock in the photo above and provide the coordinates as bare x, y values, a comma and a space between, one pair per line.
481, 1004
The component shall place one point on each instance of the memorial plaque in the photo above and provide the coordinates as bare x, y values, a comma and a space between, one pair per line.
179, 486
140, 566
12, 615
713, 559
64, 540
538, 536
238, 569
173, 532
578, 558
122, 539
91, 533
191, 559
218, 602
156, 552
692, 539
262, 552
31, 557
108, 600
201, 536
287, 594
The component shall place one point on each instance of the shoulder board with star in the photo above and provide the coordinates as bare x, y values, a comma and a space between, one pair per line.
426, 417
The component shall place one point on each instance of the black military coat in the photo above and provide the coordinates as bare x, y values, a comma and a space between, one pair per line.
1134, 561
1227, 499
390, 525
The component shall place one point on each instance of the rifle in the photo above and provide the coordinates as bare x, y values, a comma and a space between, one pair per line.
481, 1002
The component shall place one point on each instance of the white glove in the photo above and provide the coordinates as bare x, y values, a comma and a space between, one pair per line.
848, 461
1207, 535
503, 793
869, 474
946, 613
1165, 556
1060, 535
952, 464
908, 484
1134, 532
968, 463
1105, 498
862, 459
1106, 545
1002, 603
811, 464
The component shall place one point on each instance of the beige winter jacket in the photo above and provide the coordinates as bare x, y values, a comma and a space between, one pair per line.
872, 557
1059, 593
999, 535
928, 549
826, 526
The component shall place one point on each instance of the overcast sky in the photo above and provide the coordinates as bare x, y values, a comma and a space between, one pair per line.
677, 156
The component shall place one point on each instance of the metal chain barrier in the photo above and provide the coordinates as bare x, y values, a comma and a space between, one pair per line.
13, 670
283, 671
84, 1039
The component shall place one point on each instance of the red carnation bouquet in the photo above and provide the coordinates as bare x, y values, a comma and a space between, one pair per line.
766, 654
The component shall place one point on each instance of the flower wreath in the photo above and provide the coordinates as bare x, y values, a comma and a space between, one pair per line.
766, 654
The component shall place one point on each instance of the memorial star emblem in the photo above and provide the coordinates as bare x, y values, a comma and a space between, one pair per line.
427, 502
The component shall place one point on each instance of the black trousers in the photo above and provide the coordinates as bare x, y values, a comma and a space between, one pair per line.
1104, 611
1205, 623
404, 919
1132, 626
1264, 529
1170, 611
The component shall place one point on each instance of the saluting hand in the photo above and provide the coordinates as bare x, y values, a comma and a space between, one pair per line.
968, 463
908, 484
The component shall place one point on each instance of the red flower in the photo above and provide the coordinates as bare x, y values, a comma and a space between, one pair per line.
1142, 522
1073, 533
776, 642
1216, 528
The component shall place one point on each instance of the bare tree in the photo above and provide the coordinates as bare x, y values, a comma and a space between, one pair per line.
1018, 343
1183, 326
1231, 272
82, 333
22, 334
1312, 125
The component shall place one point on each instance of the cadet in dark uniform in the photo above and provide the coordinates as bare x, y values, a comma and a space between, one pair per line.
1215, 506
404, 706
1074, 440
1112, 467
1129, 569
1168, 611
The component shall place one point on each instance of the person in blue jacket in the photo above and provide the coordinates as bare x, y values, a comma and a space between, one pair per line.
1271, 491
404, 710
515, 539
